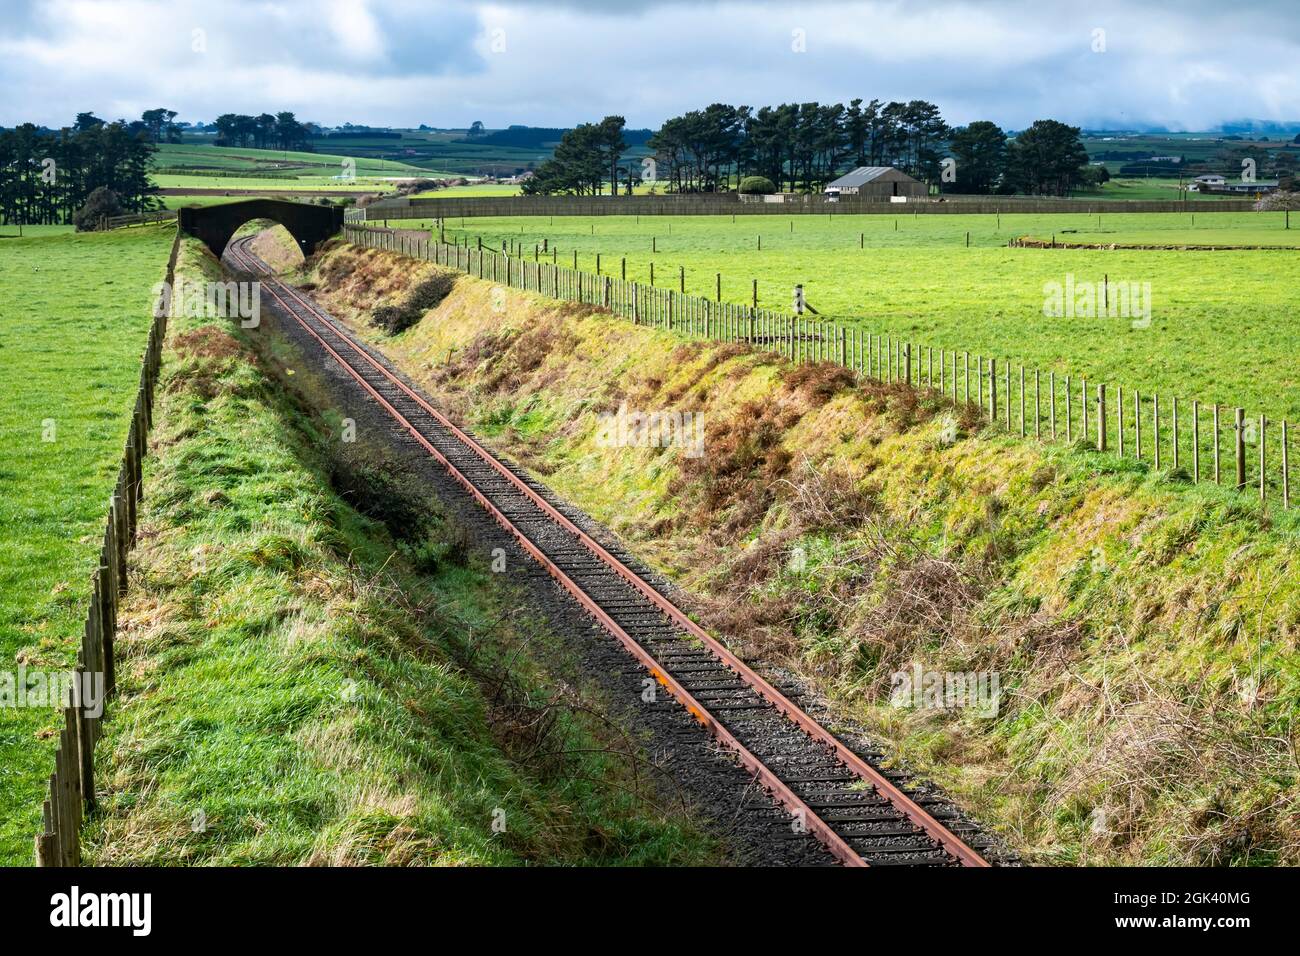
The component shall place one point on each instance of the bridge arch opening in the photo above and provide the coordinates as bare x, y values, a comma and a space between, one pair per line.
273, 243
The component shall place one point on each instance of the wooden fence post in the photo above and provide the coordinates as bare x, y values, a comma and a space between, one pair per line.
993, 391
85, 733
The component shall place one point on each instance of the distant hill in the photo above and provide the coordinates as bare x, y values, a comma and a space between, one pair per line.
542, 137
362, 134
1262, 127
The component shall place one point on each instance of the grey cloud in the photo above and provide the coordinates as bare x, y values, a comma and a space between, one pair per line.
402, 62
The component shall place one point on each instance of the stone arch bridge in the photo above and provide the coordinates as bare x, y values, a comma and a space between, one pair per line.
214, 225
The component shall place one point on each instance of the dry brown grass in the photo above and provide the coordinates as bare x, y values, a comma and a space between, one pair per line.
208, 355
208, 342
1155, 749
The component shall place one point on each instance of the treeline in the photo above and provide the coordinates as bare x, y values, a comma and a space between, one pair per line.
46, 177
538, 137
282, 130
156, 125
797, 145
586, 158
1047, 159
803, 146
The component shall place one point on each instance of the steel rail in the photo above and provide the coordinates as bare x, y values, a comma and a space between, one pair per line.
916, 814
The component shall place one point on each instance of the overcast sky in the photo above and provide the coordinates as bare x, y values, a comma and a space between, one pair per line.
1189, 65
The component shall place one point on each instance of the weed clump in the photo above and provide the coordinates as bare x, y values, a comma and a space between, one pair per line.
427, 295
735, 483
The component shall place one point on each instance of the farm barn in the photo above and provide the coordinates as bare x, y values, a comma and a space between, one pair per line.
876, 182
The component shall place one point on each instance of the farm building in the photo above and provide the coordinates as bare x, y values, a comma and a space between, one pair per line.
876, 183
1251, 187
1205, 184
1217, 184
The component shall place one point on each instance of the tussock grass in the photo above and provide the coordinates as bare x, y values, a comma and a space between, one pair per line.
1144, 631
305, 681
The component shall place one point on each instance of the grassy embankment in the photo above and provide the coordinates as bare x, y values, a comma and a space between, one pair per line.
74, 318
1223, 324
301, 684
1144, 632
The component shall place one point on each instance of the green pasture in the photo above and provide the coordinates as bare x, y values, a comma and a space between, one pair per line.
14, 231
1147, 188
236, 159
176, 202
486, 189
73, 323
315, 183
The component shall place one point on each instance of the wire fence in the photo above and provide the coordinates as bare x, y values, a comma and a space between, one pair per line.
1196, 440
72, 784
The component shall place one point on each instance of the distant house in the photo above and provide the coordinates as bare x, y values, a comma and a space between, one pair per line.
1205, 184
876, 183
1250, 188
1219, 184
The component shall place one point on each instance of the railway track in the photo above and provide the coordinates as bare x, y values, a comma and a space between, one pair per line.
864, 816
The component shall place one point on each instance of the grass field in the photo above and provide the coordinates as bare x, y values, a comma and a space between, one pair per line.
187, 166
177, 156
31, 232
1224, 324
486, 189
1147, 188
176, 202
442, 150
73, 322
319, 183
